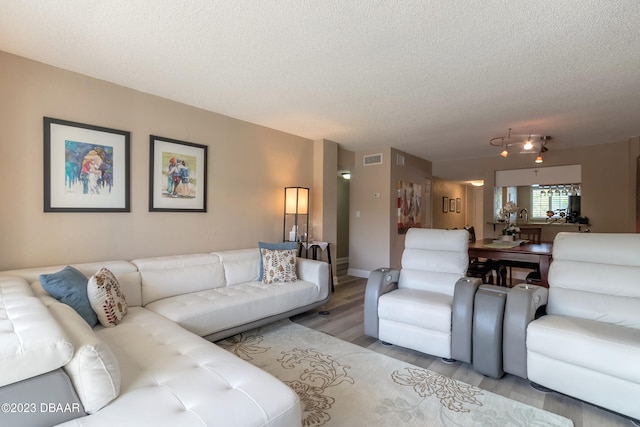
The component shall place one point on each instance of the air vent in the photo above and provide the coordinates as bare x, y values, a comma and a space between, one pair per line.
373, 159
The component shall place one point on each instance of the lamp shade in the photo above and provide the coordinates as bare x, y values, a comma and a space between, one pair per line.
296, 200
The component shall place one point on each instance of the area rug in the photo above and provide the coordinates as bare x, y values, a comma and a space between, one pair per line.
342, 384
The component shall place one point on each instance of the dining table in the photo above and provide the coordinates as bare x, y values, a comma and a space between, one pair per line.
522, 251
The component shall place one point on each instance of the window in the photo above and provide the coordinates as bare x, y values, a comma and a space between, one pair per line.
547, 199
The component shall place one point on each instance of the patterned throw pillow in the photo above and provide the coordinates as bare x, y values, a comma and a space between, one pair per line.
278, 266
106, 298
278, 246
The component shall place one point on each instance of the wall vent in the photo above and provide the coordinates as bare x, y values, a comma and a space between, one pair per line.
373, 159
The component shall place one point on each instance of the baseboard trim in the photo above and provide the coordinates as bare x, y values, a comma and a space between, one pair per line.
358, 273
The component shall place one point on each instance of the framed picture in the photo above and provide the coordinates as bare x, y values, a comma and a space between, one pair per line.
445, 204
452, 205
409, 206
458, 205
86, 167
177, 176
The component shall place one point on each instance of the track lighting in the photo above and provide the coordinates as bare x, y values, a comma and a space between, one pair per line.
527, 146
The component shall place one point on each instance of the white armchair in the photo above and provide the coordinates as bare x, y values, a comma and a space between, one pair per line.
588, 344
414, 307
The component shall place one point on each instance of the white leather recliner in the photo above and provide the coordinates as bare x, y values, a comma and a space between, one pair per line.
588, 344
414, 307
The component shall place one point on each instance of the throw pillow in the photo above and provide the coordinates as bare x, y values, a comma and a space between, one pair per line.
106, 298
69, 286
279, 266
274, 246
94, 369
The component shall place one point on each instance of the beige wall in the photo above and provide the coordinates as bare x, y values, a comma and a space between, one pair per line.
369, 222
608, 181
450, 190
414, 170
374, 239
249, 166
325, 195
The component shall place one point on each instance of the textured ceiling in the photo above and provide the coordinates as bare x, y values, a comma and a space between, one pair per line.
436, 79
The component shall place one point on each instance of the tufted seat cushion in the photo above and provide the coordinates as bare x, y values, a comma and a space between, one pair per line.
213, 310
31, 342
189, 380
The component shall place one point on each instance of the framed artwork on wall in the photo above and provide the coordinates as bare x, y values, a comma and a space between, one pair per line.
445, 204
177, 176
458, 205
409, 206
86, 167
452, 205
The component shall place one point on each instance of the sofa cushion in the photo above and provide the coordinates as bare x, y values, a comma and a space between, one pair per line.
240, 266
207, 312
427, 310
171, 377
94, 369
597, 346
278, 266
434, 260
596, 276
70, 287
106, 298
165, 277
126, 272
31, 342
273, 246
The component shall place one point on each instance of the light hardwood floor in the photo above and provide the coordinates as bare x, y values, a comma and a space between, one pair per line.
346, 322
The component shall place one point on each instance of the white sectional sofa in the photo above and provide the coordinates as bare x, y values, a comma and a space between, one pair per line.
154, 368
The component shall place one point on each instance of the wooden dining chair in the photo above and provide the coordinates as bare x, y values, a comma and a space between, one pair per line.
479, 267
532, 234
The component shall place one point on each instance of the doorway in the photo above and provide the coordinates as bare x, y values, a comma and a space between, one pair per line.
342, 246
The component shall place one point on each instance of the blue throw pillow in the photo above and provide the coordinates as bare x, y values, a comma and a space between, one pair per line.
274, 246
69, 286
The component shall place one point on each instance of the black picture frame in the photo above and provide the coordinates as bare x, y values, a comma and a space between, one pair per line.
86, 167
445, 204
458, 205
170, 189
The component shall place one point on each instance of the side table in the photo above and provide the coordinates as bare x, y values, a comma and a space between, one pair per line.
314, 246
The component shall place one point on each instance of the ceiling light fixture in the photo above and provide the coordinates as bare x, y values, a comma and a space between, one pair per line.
528, 145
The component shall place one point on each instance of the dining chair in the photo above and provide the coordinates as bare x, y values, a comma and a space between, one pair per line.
479, 267
533, 235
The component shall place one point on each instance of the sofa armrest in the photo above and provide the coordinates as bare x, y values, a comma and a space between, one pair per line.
462, 318
524, 302
380, 282
316, 272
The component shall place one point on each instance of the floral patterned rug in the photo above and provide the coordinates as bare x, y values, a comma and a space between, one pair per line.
342, 384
